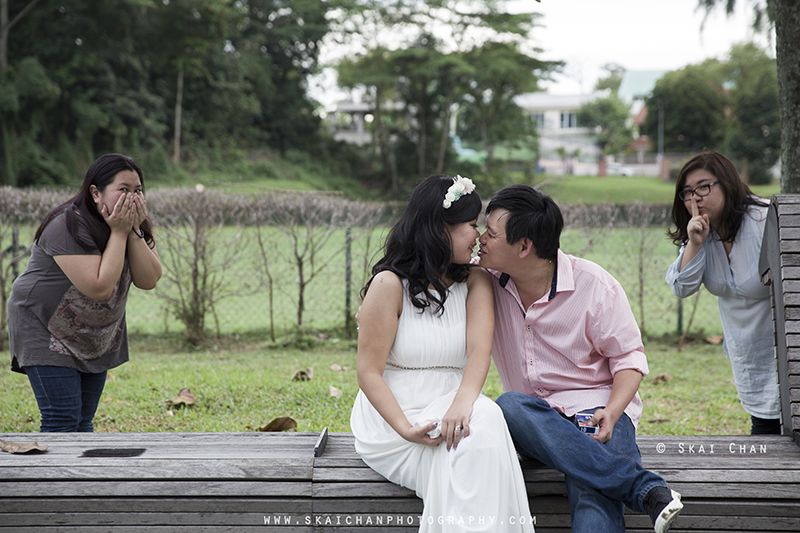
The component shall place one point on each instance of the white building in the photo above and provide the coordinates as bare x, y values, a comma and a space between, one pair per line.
349, 122
564, 146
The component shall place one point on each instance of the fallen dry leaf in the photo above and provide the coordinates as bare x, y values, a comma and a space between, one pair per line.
663, 377
303, 375
336, 367
279, 424
186, 397
686, 341
335, 393
16, 447
715, 339
659, 421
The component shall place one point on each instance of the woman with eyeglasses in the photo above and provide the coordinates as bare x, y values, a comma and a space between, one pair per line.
719, 228
66, 314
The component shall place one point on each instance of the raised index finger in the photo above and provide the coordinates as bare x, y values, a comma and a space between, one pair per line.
693, 207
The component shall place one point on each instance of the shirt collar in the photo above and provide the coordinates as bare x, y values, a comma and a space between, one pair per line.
563, 278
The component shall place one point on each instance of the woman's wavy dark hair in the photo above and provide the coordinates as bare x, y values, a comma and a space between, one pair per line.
738, 196
418, 247
82, 210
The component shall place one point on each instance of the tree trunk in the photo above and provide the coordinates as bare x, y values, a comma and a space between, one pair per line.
484, 127
5, 28
422, 147
384, 146
444, 140
787, 36
176, 153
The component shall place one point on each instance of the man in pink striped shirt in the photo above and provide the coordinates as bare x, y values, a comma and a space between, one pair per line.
565, 341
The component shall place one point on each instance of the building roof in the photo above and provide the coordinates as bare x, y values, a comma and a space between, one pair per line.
564, 102
637, 84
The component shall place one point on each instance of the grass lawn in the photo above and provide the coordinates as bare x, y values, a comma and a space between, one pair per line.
244, 385
619, 189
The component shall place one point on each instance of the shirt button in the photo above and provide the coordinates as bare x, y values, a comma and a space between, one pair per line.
531, 361
529, 328
540, 391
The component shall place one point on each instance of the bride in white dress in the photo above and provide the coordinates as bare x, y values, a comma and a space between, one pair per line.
424, 350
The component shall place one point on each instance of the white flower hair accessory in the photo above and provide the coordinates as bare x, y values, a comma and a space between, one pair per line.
459, 188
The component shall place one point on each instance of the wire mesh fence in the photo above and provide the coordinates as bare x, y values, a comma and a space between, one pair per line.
279, 264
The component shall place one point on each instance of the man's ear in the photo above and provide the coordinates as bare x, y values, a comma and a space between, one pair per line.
526, 248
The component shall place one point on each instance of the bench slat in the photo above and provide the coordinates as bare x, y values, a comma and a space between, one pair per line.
114, 488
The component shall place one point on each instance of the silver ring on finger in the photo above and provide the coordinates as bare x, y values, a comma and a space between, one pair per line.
458, 428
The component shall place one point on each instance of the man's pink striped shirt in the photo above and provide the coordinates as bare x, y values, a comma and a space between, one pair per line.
566, 349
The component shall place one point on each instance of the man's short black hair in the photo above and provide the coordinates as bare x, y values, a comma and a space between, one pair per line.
532, 215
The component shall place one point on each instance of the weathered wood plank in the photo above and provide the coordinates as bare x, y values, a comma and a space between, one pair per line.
791, 272
791, 314
788, 233
219, 490
173, 529
791, 299
116, 488
687, 521
382, 489
363, 506
157, 470
116, 519
790, 246
209, 504
789, 260
745, 491
793, 354
786, 200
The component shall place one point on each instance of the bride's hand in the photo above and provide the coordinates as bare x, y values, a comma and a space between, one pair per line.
455, 424
419, 435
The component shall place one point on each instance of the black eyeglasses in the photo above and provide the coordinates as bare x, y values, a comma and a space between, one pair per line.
700, 191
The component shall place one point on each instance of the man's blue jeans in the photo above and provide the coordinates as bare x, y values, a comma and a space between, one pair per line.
600, 477
67, 398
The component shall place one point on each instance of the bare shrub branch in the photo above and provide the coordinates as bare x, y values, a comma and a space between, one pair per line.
198, 252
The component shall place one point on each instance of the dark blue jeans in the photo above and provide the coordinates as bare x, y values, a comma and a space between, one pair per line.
67, 398
600, 477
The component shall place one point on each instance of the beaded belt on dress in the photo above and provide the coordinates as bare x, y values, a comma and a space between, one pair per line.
424, 367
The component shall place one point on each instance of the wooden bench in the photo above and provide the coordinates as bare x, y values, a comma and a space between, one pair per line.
203, 482
780, 268
240, 482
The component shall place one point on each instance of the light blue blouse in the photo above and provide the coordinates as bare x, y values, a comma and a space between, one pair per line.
744, 309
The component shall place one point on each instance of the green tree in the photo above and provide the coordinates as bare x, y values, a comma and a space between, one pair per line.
693, 103
501, 72
418, 69
754, 136
6, 23
373, 71
609, 117
186, 31
785, 16
27, 99
433, 70
117, 86
102, 102
612, 79
282, 40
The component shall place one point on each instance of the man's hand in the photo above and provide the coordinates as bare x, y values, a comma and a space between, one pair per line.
606, 420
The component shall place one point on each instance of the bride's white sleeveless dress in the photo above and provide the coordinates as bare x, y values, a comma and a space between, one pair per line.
477, 487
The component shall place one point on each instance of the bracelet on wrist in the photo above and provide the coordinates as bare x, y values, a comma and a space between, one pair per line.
139, 233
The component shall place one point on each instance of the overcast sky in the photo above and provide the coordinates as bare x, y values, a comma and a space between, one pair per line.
637, 34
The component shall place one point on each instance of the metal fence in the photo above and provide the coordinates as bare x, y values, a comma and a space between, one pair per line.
277, 265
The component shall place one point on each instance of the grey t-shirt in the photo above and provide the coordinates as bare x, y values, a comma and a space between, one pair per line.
51, 323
